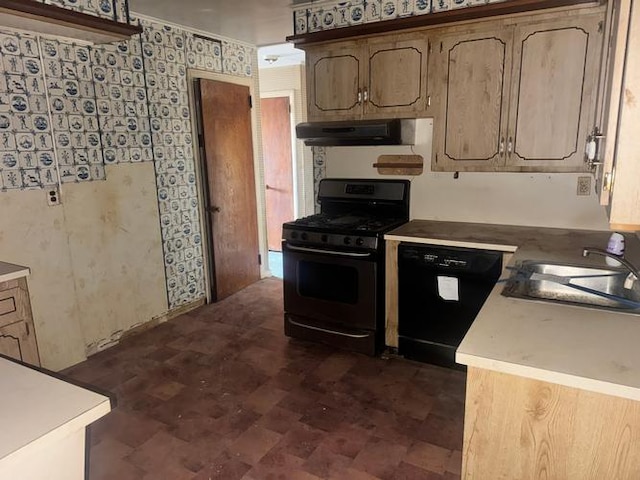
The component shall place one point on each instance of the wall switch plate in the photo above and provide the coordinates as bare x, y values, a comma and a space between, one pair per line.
584, 186
53, 196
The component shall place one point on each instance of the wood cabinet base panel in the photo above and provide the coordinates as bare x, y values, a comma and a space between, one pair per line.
517, 428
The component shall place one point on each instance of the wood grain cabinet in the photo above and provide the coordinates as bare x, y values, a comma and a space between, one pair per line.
17, 334
379, 78
619, 117
521, 428
515, 97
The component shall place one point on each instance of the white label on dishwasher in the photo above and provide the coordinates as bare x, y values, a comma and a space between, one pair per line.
448, 288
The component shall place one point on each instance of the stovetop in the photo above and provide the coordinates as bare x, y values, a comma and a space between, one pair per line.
342, 231
355, 213
346, 223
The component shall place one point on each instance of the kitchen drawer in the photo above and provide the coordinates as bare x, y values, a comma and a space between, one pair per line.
18, 341
11, 306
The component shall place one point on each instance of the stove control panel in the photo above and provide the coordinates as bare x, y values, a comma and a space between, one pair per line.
330, 240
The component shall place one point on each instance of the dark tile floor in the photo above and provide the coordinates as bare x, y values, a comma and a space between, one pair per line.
221, 393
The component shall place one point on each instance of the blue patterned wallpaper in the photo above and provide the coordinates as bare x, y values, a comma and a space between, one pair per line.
319, 171
98, 8
67, 110
27, 157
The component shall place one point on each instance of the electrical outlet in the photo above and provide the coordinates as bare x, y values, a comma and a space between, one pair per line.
53, 196
584, 186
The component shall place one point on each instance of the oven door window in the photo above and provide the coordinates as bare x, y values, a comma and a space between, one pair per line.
322, 281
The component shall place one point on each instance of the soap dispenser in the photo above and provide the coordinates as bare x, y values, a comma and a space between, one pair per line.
615, 247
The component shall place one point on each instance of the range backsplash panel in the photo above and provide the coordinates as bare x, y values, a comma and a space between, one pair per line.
67, 110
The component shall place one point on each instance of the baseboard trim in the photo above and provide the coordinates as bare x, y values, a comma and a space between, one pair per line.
165, 317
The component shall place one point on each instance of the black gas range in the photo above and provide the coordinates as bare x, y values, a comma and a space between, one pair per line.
334, 263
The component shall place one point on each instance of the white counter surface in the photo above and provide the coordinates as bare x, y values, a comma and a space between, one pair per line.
580, 347
9, 271
37, 410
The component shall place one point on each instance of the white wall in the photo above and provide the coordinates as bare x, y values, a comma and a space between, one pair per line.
505, 198
96, 260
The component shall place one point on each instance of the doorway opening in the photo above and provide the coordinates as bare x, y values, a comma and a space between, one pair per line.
279, 170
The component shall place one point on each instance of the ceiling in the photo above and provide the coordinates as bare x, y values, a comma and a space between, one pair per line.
259, 22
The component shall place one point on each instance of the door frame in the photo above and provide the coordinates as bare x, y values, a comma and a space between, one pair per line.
256, 134
294, 153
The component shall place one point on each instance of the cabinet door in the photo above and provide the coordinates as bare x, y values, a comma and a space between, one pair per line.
553, 94
624, 213
619, 116
614, 58
334, 82
470, 88
17, 341
396, 78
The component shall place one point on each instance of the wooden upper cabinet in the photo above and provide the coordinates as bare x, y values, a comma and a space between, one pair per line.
470, 74
516, 97
396, 78
382, 78
334, 81
619, 117
553, 94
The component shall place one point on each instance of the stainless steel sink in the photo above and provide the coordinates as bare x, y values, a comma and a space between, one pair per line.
574, 284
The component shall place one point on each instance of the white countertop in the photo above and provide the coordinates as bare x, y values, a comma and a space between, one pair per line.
9, 271
37, 409
580, 347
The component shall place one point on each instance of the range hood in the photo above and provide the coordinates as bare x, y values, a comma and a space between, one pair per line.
358, 132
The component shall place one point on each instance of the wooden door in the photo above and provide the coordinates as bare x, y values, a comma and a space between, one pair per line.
553, 94
470, 91
231, 193
396, 78
334, 83
278, 171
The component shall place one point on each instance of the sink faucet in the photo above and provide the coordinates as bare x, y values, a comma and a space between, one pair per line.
634, 274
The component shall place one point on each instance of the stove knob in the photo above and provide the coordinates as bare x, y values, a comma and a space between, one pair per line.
347, 240
303, 236
324, 238
294, 235
359, 241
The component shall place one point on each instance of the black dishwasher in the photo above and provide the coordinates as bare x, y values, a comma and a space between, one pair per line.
440, 292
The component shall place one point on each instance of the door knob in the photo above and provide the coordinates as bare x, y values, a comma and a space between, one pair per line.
213, 209
268, 187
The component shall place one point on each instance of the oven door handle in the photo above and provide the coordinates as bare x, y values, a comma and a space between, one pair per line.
328, 252
333, 332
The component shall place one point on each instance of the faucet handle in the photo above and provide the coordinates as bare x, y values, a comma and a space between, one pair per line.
630, 281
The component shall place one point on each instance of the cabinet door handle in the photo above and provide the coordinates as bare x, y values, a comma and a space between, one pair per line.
510, 146
366, 95
359, 97
607, 181
501, 150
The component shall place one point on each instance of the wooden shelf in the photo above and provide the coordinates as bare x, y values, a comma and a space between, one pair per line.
439, 18
399, 165
39, 18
